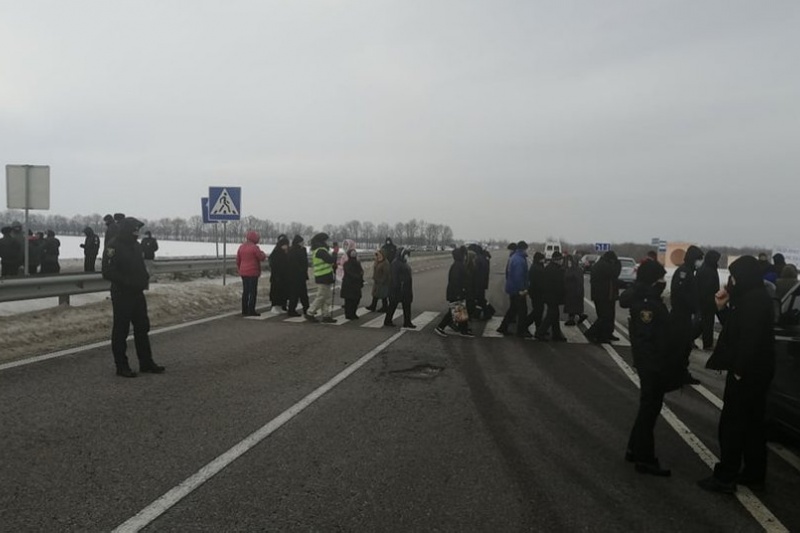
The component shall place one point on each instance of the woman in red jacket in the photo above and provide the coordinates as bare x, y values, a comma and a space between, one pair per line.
248, 260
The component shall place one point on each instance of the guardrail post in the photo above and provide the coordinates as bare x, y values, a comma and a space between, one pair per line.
63, 299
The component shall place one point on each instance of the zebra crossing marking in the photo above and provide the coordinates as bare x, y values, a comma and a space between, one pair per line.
573, 334
490, 330
423, 319
378, 322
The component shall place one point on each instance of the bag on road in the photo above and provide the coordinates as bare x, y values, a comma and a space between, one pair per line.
459, 311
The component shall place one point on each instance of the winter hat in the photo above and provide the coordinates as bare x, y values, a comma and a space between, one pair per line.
282, 239
458, 254
512, 246
108, 219
119, 217
51, 233
5, 230
522, 245
148, 233
538, 256
297, 239
253, 236
649, 272
556, 255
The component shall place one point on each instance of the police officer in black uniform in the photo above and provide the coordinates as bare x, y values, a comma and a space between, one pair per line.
685, 302
91, 246
650, 341
123, 266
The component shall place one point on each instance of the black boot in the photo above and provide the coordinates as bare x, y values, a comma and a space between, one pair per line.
151, 367
126, 372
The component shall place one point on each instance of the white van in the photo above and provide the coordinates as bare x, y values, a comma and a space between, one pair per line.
550, 247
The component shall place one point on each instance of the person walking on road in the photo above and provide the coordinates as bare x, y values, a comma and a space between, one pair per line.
279, 274
352, 282
402, 290
248, 262
91, 247
456, 294
604, 282
554, 295
517, 290
650, 343
685, 306
123, 266
322, 263
381, 282
149, 246
536, 290
746, 350
298, 276
707, 287
573, 292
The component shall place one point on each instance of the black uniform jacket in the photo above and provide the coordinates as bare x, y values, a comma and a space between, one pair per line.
649, 327
123, 266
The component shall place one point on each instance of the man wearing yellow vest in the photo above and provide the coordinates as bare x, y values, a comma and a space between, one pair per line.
322, 263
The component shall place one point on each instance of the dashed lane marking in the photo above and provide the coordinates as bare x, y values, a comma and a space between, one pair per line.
150, 513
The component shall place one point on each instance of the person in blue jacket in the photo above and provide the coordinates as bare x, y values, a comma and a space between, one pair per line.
517, 290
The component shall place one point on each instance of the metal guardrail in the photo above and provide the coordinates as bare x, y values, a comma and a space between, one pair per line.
63, 286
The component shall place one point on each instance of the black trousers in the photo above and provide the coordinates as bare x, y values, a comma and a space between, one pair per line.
517, 312
89, 262
298, 291
130, 308
384, 303
551, 322
603, 328
393, 307
742, 433
707, 316
249, 294
350, 307
537, 312
651, 397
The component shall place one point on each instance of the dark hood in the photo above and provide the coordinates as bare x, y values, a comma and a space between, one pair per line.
128, 229
538, 257
88, 231
297, 239
693, 253
746, 272
459, 254
712, 259
319, 240
609, 257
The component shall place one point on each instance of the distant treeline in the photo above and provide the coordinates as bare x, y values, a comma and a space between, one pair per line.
366, 234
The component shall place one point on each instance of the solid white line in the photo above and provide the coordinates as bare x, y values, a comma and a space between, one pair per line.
102, 344
751, 503
150, 513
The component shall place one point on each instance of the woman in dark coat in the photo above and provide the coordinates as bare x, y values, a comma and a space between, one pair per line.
381, 280
746, 349
352, 282
279, 274
574, 292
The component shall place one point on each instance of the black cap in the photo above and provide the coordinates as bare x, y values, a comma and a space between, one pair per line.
649, 272
522, 245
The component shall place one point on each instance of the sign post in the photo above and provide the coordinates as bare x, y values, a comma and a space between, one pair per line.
27, 187
224, 204
206, 220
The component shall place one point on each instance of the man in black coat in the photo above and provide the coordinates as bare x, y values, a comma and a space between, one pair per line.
298, 276
536, 290
91, 247
9, 254
604, 283
685, 303
707, 288
123, 266
149, 246
554, 293
35, 251
279, 274
650, 344
746, 350
401, 291
389, 250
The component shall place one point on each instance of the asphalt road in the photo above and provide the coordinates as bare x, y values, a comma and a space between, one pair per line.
427, 434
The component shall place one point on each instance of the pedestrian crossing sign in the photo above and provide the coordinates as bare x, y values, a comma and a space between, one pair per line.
224, 203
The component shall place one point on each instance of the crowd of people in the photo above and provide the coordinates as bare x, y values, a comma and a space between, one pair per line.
44, 248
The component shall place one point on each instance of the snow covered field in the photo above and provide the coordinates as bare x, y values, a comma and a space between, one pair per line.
71, 249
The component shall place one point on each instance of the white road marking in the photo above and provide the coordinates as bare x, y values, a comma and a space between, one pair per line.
751, 503
150, 513
103, 344
378, 322
574, 334
490, 330
424, 319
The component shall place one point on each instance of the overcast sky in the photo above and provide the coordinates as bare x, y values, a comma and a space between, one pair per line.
591, 121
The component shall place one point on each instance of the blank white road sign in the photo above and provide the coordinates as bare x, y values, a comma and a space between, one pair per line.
28, 186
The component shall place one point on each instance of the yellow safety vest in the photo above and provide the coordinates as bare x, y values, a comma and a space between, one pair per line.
321, 268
